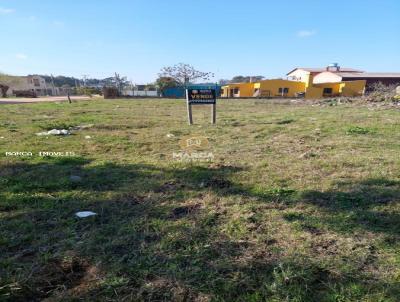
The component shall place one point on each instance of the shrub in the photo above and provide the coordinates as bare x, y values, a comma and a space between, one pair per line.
358, 130
89, 91
382, 93
110, 92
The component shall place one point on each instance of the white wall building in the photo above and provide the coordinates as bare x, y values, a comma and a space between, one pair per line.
140, 90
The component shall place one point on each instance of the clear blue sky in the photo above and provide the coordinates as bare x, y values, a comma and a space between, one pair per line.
136, 38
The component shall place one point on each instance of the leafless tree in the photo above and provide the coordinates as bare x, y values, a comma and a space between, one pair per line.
184, 73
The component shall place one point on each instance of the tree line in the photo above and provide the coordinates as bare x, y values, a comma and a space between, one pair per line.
171, 76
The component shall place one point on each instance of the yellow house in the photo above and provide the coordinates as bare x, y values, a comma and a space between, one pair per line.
346, 88
313, 92
238, 90
307, 74
304, 75
301, 81
278, 88
353, 88
266, 88
324, 82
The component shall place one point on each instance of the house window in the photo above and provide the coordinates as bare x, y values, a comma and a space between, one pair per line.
327, 91
36, 82
235, 90
284, 90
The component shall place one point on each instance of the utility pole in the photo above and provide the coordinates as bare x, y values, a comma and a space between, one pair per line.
117, 82
84, 77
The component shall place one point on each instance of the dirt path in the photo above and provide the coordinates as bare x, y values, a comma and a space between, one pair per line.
42, 99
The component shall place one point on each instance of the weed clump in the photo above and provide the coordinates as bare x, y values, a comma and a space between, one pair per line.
358, 130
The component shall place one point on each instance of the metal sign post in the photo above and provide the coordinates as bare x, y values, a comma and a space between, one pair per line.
201, 97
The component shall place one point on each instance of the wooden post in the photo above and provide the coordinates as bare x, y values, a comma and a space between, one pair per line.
214, 113
189, 108
69, 98
189, 111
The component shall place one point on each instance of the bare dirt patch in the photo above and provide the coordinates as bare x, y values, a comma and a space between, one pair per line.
183, 211
58, 278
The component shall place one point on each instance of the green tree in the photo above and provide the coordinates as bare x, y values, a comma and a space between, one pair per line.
89, 91
246, 79
166, 82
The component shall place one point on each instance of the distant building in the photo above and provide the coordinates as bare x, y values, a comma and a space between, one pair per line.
340, 81
238, 90
264, 88
333, 89
371, 78
140, 90
307, 74
303, 82
36, 85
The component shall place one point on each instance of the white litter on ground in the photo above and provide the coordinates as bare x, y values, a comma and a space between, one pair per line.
170, 135
54, 132
85, 214
88, 137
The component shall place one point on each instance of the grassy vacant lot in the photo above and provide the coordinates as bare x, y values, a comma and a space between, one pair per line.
301, 203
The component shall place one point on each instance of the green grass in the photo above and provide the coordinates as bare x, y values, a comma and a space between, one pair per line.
359, 130
300, 203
